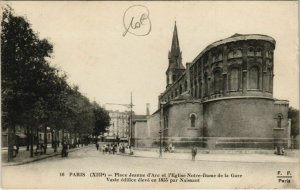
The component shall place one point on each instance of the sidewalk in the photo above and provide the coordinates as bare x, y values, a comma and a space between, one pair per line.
23, 157
291, 157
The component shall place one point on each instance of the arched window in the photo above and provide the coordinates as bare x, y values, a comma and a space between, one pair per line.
193, 120
234, 79
258, 52
166, 120
238, 53
180, 89
230, 54
254, 78
250, 51
279, 121
185, 85
213, 58
268, 80
220, 56
217, 81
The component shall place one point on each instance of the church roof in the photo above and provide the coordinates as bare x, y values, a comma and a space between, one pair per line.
234, 38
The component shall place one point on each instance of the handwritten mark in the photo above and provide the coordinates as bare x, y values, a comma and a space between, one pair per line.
136, 21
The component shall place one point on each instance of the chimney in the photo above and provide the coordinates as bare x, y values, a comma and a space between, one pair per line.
147, 109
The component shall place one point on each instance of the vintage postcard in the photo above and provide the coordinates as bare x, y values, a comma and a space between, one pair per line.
150, 95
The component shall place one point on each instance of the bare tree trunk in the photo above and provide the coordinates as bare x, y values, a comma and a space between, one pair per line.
55, 140
62, 136
31, 141
45, 138
10, 144
37, 138
28, 138
52, 138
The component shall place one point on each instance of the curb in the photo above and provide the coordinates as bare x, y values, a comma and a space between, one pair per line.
38, 159
205, 160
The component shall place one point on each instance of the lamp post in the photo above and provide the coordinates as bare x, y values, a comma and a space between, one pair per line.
162, 103
160, 149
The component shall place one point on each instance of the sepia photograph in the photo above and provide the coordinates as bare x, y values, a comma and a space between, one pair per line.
150, 95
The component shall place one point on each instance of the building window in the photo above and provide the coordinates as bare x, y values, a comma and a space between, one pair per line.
213, 58
166, 121
254, 78
250, 51
205, 84
269, 54
238, 53
217, 81
258, 52
220, 56
193, 120
230, 55
268, 80
279, 121
234, 79
174, 78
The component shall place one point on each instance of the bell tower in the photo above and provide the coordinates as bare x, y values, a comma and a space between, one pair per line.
175, 68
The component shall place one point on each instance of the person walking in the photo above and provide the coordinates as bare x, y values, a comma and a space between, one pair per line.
194, 153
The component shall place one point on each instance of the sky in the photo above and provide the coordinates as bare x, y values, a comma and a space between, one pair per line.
90, 47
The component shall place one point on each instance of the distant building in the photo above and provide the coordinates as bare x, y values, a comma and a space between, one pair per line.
119, 126
222, 99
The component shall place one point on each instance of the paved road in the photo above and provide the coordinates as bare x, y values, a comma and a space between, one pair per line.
81, 165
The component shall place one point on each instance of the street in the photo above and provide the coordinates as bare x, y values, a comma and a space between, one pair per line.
89, 168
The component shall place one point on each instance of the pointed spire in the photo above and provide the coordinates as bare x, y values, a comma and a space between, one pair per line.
175, 49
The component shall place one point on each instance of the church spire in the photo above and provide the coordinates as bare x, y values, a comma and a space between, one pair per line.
175, 49
175, 68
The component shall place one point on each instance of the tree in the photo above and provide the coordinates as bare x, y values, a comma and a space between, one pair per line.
102, 119
23, 67
293, 114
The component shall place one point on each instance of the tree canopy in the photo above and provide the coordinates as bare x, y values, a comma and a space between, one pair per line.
36, 93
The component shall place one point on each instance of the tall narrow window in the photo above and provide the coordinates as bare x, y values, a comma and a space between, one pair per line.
279, 121
268, 81
220, 56
217, 81
174, 78
205, 84
234, 79
230, 54
254, 78
193, 120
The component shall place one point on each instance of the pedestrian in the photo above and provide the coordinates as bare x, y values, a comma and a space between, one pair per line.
97, 145
194, 152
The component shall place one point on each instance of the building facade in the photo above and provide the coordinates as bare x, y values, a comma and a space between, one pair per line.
222, 99
119, 125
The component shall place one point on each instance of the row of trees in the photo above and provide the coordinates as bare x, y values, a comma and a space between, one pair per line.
35, 94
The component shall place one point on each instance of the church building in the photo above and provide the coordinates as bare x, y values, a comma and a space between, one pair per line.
221, 99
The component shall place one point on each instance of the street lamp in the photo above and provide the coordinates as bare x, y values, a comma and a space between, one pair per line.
162, 103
